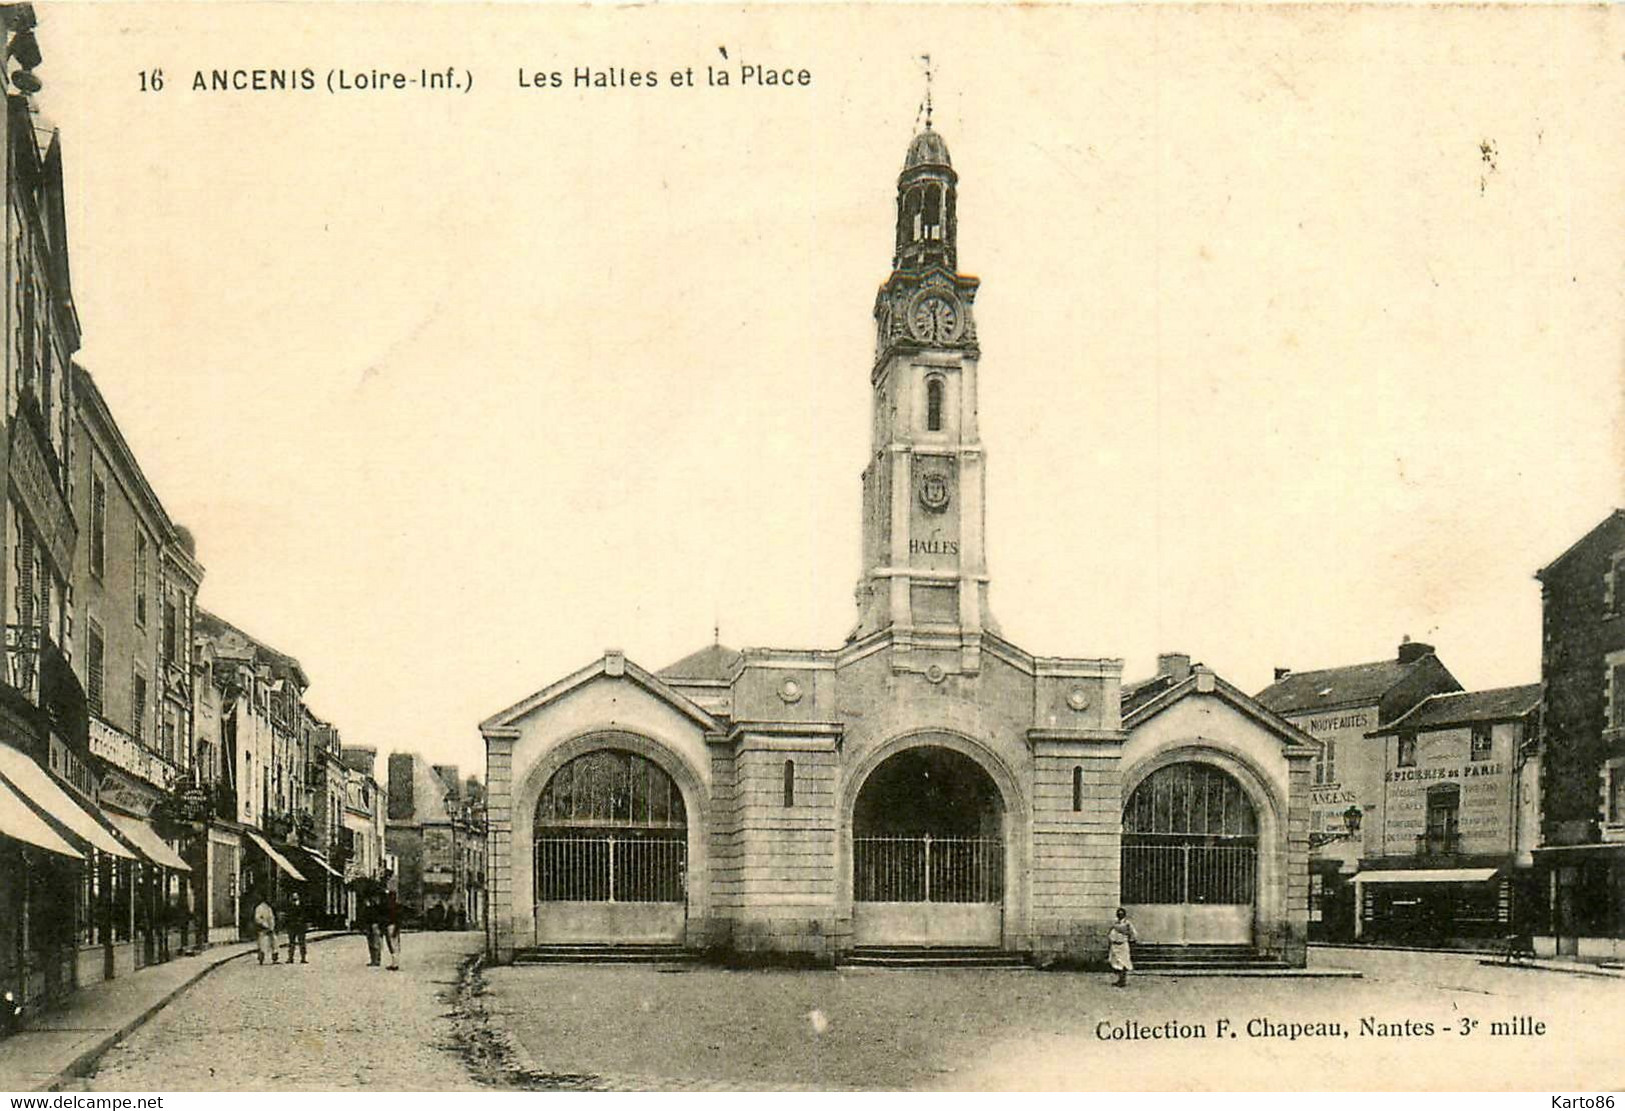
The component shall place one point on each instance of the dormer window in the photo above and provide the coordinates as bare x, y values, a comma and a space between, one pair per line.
1613, 586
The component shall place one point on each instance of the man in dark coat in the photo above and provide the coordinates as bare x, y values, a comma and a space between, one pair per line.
366, 917
294, 923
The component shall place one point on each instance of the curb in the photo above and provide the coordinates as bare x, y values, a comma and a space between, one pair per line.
82, 1064
1577, 970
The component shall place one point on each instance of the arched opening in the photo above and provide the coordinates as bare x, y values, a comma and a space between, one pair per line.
933, 404
611, 851
932, 217
1190, 856
928, 852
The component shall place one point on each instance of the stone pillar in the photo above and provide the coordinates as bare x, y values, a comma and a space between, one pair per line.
501, 929
1293, 934
1076, 842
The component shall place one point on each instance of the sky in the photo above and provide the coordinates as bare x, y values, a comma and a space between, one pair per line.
1301, 328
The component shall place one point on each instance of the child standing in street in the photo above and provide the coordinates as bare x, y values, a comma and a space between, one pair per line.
1119, 953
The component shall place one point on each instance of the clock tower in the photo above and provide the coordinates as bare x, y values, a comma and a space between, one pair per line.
925, 566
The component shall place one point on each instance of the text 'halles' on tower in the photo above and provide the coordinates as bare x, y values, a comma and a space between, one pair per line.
924, 550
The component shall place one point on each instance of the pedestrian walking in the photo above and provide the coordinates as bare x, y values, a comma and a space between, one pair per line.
294, 925
390, 921
366, 918
1119, 942
265, 930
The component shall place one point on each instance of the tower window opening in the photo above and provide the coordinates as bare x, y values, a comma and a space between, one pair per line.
911, 214
933, 405
933, 213
1077, 788
789, 783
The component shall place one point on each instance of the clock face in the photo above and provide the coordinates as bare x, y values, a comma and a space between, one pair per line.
935, 319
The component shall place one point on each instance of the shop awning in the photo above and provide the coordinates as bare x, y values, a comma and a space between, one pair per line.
321, 862
1600, 847
33, 783
144, 837
18, 820
276, 858
1428, 875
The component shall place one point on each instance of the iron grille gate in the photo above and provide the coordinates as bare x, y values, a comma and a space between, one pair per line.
927, 869
610, 869
1187, 872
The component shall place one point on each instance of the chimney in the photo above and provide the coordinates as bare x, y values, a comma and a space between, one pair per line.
1412, 650
1175, 665
1282, 673
401, 804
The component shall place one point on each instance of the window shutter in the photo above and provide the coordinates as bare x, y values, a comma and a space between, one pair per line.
93, 670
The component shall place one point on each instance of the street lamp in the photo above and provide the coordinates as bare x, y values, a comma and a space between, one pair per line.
1351, 829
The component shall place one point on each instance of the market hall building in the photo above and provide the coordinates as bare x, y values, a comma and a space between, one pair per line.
927, 783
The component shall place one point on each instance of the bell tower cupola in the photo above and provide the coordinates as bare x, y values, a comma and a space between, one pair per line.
925, 566
926, 192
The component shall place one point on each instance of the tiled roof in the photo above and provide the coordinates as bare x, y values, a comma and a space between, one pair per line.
1135, 695
232, 643
1441, 711
714, 661
1335, 686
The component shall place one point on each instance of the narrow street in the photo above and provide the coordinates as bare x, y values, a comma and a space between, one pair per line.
334, 1023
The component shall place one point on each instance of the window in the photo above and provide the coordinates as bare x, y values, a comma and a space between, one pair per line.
1483, 742
1077, 788
1616, 793
169, 631
1325, 765
1616, 693
1407, 750
1444, 806
933, 405
138, 707
93, 669
141, 578
98, 526
789, 783
1613, 586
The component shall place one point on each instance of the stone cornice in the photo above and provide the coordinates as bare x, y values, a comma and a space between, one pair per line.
1073, 739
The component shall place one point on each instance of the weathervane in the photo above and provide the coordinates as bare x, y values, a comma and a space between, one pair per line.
926, 107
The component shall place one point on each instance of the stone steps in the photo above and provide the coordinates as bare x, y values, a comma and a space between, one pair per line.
602, 953
932, 956
1178, 958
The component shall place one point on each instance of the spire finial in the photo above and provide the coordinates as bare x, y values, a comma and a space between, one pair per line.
716, 632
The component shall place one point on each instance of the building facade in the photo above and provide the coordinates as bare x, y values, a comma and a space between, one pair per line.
1340, 707
1580, 863
364, 816
136, 581
926, 783
1458, 823
51, 835
436, 831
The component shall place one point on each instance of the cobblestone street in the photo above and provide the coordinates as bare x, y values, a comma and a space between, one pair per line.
334, 1023
639, 1027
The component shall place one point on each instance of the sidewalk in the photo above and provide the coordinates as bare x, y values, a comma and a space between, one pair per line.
67, 1039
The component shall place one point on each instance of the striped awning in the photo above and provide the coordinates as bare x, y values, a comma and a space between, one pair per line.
276, 858
35, 784
18, 821
1428, 875
141, 834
